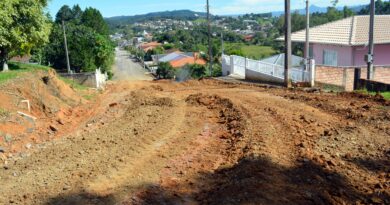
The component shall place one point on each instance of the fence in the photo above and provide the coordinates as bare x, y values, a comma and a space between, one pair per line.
253, 69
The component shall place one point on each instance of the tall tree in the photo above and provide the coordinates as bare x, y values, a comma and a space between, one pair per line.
64, 14
94, 19
88, 47
23, 25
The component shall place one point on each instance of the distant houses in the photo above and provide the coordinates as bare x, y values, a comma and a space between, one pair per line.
179, 59
345, 42
149, 46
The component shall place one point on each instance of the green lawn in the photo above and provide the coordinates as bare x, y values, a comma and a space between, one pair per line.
258, 52
251, 51
18, 68
73, 84
386, 95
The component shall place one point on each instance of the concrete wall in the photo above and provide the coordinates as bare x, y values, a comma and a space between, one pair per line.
226, 65
256, 76
344, 76
93, 80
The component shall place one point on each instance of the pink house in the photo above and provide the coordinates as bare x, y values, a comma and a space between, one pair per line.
345, 42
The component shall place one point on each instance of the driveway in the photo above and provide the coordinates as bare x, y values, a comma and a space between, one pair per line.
126, 68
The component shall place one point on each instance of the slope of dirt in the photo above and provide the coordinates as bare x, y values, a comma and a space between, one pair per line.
207, 142
53, 103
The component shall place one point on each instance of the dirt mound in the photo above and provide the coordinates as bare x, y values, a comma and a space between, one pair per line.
50, 101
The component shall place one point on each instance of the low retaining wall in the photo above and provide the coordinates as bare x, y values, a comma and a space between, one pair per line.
92, 79
345, 77
256, 76
373, 86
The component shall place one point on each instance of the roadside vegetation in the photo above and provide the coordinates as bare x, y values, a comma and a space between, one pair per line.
88, 41
250, 51
73, 84
16, 69
30, 31
24, 25
386, 95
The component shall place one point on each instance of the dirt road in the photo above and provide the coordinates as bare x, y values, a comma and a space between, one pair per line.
208, 142
126, 69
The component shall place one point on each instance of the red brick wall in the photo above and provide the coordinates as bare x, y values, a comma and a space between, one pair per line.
344, 76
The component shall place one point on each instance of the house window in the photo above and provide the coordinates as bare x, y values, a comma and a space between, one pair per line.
330, 58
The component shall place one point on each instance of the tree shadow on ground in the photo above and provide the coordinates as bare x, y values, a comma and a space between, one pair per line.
379, 164
261, 181
251, 181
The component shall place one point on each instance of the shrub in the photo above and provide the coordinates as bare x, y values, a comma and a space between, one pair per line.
197, 71
165, 71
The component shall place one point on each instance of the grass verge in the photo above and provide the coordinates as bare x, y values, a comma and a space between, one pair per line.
73, 84
15, 69
385, 95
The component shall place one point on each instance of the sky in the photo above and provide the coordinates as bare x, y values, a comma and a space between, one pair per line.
111, 8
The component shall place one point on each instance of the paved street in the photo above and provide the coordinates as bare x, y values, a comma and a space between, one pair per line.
126, 69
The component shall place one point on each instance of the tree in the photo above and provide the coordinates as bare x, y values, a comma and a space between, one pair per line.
381, 8
165, 71
156, 51
197, 71
64, 14
94, 19
23, 25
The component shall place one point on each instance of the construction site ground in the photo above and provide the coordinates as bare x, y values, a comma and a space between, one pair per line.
196, 142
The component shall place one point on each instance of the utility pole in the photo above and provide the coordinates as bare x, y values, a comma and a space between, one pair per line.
222, 44
307, 46
370, 56
209, 39
287, 39
66, 49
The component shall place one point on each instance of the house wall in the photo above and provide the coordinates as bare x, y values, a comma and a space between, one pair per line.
382, 55
344, 53
352, 56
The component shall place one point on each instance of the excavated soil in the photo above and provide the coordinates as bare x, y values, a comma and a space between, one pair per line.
209, 142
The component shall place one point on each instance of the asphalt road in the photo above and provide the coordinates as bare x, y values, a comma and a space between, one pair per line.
126, 69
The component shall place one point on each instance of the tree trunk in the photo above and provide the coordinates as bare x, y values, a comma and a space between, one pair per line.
4, 59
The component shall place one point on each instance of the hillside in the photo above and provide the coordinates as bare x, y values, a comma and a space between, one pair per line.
177, 14
317, 9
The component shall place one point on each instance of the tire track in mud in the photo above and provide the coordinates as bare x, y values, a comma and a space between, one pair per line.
228, 145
